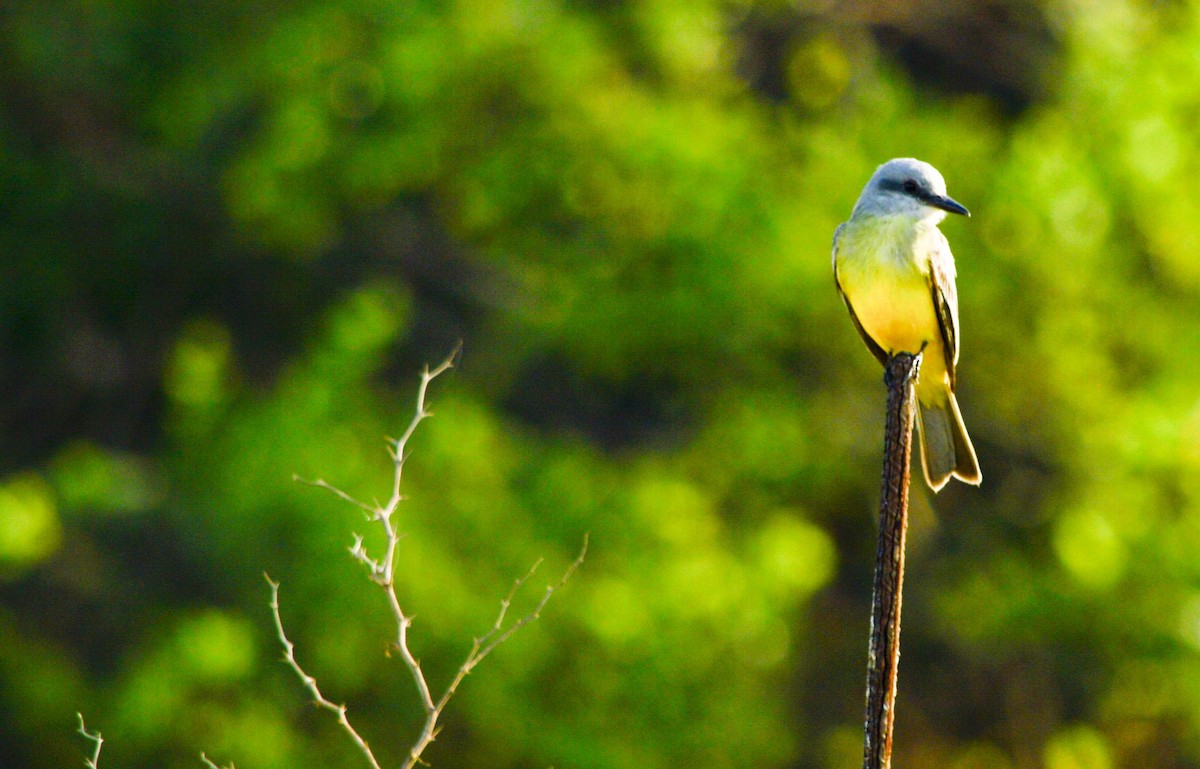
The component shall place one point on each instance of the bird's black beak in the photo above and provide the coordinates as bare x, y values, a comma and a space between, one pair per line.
947, 204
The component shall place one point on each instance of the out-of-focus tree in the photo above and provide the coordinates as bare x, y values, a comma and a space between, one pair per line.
232, 233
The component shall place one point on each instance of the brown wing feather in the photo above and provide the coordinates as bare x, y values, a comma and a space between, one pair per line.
945, 301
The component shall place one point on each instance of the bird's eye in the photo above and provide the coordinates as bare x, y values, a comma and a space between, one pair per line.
910, 186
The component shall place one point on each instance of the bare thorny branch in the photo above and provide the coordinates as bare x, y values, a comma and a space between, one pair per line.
484, 645
382, 573
310, 683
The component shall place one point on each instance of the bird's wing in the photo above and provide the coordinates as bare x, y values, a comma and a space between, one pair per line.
945, 299
876, 350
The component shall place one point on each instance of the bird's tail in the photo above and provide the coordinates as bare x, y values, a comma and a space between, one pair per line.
946, 448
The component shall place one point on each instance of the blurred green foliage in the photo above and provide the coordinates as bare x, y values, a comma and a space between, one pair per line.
233, 232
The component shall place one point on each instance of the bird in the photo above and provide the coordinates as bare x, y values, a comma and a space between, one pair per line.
895, 273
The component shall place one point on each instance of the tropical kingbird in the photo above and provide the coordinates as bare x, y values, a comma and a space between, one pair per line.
895, 272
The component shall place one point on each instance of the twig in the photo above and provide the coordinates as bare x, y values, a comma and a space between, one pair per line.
884, 652
208, 762
94, 761
483, 646
310, 683
495, 637
320, 483
382, 573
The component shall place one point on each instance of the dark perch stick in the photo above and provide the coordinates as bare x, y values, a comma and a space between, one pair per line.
884, 655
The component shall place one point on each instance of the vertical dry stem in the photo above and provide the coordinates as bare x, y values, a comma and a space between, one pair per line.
884, 653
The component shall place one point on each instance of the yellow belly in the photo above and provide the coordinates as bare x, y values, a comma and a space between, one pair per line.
897, 314
901, 319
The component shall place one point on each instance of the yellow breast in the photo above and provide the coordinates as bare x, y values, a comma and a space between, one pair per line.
883, 271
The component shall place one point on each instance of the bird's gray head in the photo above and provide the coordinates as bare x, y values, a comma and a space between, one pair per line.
907, 187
